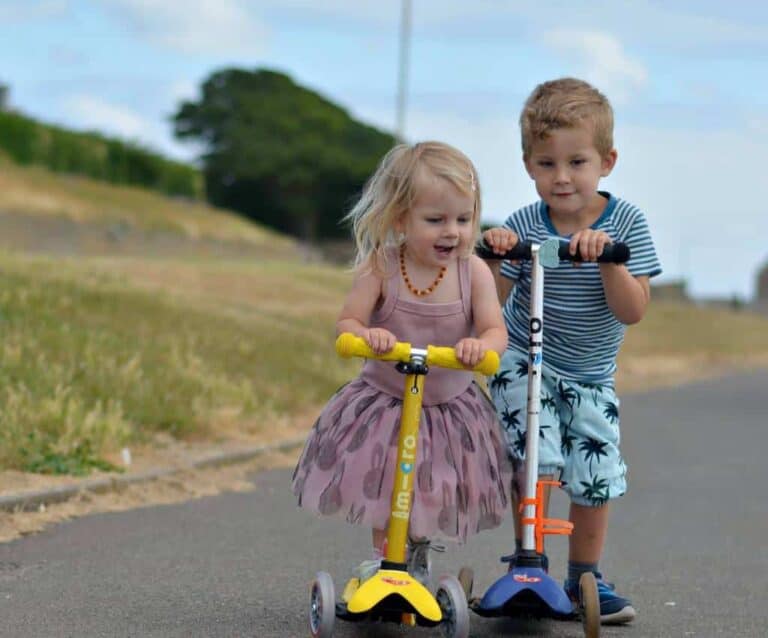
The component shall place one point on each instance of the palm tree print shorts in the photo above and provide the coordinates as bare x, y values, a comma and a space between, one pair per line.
579, 430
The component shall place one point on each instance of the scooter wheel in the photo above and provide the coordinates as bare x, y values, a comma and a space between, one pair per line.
322, 606
590, 605
467, 581
453, 603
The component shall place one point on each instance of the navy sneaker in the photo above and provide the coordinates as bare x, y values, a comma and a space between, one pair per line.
614, 609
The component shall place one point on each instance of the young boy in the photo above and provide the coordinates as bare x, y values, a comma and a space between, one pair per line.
567, 135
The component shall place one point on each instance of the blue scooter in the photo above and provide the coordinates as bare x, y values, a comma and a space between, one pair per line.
527, 590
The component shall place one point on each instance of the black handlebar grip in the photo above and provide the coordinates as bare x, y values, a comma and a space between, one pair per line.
521, 250
617, 253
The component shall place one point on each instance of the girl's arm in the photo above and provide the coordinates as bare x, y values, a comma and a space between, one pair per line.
504, 285
486, 312
356, 313
627, 296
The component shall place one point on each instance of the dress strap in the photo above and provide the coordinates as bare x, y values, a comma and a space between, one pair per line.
465, 286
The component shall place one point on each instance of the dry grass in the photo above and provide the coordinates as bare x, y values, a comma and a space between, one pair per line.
36, 191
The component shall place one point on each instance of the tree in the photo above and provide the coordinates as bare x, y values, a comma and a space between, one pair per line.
279, 153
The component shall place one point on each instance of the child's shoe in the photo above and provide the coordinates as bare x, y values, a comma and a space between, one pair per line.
366, 569
614, 609
419, 561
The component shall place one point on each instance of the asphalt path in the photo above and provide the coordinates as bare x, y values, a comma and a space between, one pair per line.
688, 544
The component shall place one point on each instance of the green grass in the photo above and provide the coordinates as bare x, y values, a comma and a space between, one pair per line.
91, 360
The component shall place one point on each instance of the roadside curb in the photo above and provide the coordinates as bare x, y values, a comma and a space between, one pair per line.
31, 500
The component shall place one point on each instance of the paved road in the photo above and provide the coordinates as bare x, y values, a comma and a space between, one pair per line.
689, 544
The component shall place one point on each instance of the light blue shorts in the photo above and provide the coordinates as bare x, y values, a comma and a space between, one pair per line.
579, 430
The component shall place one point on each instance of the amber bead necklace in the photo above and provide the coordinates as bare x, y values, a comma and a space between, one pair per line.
419, 292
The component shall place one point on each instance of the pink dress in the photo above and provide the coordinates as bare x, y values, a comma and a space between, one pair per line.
463, 474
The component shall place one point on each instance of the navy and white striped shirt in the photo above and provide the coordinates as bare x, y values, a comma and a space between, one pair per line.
581, 335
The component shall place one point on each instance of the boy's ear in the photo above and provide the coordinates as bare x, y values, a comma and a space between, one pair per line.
609, 161
527, 163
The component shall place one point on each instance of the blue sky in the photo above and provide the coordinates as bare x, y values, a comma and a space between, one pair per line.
687, 80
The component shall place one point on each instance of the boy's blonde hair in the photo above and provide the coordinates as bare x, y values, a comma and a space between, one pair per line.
566, 103
392, 189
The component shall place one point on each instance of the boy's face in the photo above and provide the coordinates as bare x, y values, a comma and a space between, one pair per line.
567, 169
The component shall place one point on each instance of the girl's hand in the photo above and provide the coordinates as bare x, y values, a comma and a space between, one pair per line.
590, 243
379, 339
470, 351
500, 240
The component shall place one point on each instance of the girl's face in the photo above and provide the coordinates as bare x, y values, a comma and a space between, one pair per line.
439, 226
567, 169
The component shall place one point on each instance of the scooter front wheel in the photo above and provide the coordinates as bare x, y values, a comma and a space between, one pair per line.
590, 605
452, 599
322, 606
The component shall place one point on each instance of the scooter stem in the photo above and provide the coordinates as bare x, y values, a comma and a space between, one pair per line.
402, 492
536, 326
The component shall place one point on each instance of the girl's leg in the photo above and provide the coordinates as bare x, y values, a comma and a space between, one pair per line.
379, 540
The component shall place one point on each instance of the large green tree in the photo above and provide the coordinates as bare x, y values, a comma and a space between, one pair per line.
279, 153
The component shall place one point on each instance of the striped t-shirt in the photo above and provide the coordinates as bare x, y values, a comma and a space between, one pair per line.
581, 335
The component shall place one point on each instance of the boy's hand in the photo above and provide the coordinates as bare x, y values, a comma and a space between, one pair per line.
470, 351
590, 244
379, 340
500, 240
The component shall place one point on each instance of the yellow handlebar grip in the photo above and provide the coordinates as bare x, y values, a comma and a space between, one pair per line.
348, 345
446, 358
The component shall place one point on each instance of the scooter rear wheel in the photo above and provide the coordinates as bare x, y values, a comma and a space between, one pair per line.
453, 603
322, 606
590, 605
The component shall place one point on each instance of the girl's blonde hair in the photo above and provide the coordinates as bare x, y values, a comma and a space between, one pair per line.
392, 190
566, 103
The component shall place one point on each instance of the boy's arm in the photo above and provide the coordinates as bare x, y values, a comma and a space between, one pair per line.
486, 311
501, 240
627, 296
504, 285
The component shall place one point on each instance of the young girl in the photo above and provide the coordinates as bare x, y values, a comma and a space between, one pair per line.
416, 281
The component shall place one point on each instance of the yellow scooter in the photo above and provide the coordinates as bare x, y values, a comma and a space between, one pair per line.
392, 594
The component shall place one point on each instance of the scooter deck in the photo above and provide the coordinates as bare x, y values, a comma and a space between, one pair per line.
528, 592
386, 596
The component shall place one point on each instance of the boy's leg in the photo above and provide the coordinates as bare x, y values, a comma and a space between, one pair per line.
590, 526
594, 475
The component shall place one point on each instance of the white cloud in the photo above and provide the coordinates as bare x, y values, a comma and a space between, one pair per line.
603, 59
95, 113
27, 11
199, 27
87, 112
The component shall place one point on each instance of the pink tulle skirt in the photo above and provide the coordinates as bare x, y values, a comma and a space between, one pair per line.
462, 472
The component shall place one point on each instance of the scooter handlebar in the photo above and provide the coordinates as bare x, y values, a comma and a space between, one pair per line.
348, 345
615, 253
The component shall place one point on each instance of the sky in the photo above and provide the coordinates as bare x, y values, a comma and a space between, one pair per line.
687, 79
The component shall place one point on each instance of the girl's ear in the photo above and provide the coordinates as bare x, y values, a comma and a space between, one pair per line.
400, 224
608, 162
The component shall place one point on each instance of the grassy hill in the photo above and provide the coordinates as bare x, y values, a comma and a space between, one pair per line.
228, 328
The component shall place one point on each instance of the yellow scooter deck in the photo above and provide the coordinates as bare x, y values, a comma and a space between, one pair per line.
400, 584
